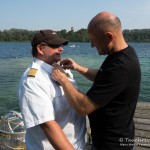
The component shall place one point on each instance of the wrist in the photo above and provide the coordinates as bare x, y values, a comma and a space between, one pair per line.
78, 68
81, 69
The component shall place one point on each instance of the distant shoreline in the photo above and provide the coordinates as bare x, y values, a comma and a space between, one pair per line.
23, 35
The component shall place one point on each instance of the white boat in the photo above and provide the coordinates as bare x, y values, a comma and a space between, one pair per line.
72, 46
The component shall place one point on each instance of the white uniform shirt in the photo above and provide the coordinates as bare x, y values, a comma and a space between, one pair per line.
42, 99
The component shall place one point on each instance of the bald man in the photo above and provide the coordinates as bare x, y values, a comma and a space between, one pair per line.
111, 101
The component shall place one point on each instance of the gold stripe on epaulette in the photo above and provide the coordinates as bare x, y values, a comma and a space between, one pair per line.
32, 72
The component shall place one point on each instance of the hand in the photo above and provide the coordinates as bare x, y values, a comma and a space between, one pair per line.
69, 64
58, 73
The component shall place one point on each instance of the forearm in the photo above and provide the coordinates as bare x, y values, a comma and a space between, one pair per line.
78, 100
56, 136
87, 72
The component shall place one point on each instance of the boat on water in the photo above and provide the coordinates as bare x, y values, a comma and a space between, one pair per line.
72, 45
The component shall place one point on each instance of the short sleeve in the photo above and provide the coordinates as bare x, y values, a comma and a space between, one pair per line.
36, 103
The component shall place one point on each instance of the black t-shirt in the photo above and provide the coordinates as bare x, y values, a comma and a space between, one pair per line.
115, 89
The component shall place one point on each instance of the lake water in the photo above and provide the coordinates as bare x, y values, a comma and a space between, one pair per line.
15, 58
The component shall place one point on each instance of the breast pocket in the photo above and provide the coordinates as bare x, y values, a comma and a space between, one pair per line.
60, 102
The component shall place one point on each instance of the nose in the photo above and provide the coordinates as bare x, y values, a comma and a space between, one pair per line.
61, 48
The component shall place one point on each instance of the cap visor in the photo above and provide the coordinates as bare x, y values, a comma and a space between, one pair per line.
59, 41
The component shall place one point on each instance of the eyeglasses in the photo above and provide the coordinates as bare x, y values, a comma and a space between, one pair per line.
54, 46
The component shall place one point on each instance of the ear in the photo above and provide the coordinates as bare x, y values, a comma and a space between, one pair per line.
40, 49
109, 36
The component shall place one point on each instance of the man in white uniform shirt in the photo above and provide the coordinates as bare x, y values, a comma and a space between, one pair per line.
49, 120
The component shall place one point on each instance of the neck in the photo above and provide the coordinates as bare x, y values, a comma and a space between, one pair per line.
119, 45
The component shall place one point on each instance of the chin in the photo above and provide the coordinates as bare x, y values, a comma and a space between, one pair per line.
57, 60
100, 53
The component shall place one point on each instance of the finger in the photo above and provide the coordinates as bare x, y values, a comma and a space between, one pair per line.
65, 61
66, 67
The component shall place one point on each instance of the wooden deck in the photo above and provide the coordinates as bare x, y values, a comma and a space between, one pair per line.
142, 126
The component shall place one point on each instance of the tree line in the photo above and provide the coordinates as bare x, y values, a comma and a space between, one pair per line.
22, 35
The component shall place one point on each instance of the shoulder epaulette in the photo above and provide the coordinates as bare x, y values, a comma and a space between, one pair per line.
32, 72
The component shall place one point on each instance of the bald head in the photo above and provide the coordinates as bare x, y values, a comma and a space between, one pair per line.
105, 22
105, 33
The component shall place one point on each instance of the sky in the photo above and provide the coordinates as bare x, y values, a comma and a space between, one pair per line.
64, 14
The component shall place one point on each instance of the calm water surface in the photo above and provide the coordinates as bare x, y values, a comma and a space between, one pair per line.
15, 58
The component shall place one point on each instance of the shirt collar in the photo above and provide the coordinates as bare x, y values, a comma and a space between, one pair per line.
44, 65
